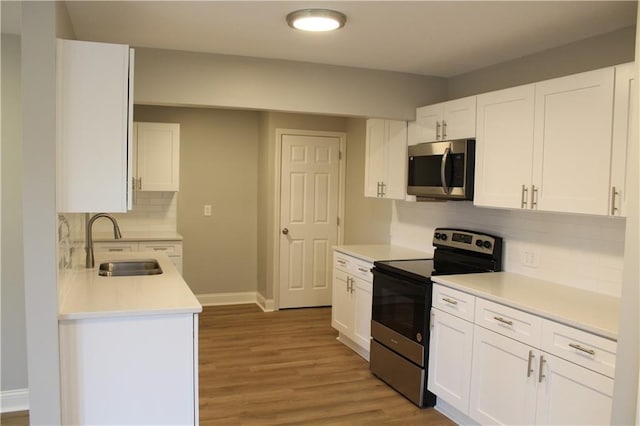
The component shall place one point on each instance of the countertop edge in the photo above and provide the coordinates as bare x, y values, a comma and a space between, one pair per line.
608, 334
375, 252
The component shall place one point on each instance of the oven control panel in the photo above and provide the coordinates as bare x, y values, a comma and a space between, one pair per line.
466, 240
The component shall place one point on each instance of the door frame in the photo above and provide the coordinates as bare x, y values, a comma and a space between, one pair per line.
342, 137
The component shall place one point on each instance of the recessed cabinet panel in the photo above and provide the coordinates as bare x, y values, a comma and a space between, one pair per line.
572, 142
93, 120
386, 159
504, 148
158, 156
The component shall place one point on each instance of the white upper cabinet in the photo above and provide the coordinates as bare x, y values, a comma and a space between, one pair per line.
158, 156
625, 130
447, 120
386, 159
572, 143
94, 112
504, 147
548, 146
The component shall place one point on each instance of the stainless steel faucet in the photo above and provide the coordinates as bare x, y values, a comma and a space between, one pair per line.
89, 237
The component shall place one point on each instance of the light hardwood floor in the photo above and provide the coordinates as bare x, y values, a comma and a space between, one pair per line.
284, 368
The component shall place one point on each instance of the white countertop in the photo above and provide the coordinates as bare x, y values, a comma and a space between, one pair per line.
374, 252
585, 310
138, 236
85, 294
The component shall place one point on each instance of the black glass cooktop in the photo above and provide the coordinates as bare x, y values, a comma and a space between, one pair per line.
420, 269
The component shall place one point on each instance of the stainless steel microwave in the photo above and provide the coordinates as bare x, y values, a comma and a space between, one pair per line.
442, 170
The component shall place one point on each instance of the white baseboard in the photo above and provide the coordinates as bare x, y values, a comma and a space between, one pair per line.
213, 299
14, 400
453, 414
267, 305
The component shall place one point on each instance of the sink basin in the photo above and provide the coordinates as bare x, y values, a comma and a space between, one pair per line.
126, 268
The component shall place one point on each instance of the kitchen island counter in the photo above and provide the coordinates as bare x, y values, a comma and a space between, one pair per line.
84, 294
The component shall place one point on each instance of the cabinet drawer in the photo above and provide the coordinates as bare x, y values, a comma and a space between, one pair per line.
509, 322
588, 350
354, 266
162, 246
115, 247
457, 303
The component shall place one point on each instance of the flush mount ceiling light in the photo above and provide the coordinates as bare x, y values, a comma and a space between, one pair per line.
316, 20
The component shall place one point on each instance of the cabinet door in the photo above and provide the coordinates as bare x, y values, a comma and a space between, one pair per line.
158, 156
572, 395
375, 161
451, 342
504, 148
429, 123
572, 142
625, 130
93, 115
362, 312
395, 182
459, 121
342, 303
503, 387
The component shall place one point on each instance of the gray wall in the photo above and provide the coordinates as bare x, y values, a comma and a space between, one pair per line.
39, 217
218, 166
167, 77
14, 345
602, 51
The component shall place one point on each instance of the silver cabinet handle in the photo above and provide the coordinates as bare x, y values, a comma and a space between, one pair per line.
580, 348
523, 200
614, 209
540, 375
534, 197
431, 322
383, 189
444, 129
139, 184
437, 130
342, 262
502, 320
285, 231
453, 302
160, 248
116, 249
363, 270
443, 165
529, 369
379, 194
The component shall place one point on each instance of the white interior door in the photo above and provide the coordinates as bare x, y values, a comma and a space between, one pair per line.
309, 188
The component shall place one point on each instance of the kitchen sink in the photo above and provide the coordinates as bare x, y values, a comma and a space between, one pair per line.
126, 268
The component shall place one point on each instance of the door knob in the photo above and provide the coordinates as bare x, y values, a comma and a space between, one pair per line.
285, 231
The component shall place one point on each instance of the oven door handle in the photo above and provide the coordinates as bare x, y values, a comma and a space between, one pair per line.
443, 166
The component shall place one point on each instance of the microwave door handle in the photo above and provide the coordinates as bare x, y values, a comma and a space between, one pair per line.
443, 166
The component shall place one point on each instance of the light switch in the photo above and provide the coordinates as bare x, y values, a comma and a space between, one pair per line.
207, 209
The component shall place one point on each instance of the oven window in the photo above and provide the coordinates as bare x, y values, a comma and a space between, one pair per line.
399, 304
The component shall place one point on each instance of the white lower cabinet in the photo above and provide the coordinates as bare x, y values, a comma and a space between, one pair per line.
451, 342
351, 302
173, 249
510, 367
130, 370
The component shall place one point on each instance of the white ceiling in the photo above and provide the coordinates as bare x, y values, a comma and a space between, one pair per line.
440, 38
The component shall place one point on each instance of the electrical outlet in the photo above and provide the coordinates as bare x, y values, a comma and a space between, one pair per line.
207, 209
530, 257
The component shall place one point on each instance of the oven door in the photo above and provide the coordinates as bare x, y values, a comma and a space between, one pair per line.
399, 314
441, 170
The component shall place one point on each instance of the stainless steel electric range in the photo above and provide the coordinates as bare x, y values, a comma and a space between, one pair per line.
402, 300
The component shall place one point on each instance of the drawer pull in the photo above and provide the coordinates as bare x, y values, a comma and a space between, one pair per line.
116, 249
342, 262
502, 320
363, 270
453, 302
580, 348
160, 248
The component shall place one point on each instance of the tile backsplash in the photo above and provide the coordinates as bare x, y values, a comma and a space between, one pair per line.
154, 212
576, 250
